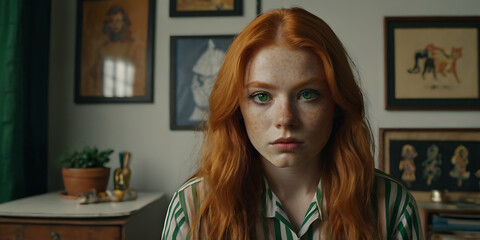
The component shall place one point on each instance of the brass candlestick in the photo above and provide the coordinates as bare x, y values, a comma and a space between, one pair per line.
121, 176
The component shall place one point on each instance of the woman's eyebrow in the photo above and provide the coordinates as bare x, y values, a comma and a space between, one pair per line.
257, 84
308, 81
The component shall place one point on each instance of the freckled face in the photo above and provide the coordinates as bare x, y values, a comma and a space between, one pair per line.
286, 106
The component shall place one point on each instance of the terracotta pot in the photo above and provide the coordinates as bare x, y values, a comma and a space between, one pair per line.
82, 180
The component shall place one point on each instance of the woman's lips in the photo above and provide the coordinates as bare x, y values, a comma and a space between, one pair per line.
286, 144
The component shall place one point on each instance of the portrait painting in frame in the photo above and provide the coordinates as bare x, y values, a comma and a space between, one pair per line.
194, 64
432, 63
205, 8
114, 51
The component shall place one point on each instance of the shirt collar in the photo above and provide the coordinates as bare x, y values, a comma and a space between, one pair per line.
272, 208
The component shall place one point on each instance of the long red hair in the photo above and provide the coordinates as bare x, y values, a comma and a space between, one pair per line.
229, 163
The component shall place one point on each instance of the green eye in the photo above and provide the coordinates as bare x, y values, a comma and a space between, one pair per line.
307, 95
262, 97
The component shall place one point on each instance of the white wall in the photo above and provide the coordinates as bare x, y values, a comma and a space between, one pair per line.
163, 159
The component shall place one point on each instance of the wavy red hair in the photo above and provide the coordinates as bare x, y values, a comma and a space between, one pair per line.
229, 162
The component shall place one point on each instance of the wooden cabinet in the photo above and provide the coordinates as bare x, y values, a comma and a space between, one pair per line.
58, 229
105, 221
428, 209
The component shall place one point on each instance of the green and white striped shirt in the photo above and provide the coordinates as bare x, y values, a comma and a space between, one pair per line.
398, 214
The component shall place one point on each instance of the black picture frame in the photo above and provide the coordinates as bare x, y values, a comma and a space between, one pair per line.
432, 63
192, 9
259, 7
189, 89
432, 154
114, 51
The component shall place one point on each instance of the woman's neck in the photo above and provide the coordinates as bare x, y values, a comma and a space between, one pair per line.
292, 180
295, 187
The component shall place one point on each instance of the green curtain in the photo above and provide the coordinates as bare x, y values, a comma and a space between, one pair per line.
24, 46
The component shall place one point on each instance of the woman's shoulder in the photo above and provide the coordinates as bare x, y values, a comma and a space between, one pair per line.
182, 209
391, 190
189, 192
396, 207
384, 177
193, 182
186, 200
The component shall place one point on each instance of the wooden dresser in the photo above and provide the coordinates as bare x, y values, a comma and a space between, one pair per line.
428, 209
48, 216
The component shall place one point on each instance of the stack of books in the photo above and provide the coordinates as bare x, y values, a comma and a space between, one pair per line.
455, 226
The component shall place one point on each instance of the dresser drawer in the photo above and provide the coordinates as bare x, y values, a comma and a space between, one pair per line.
47, 216
60, 232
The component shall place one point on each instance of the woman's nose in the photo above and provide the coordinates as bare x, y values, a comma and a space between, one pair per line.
285, 115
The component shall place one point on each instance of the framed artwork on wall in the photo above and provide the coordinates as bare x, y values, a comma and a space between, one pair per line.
259, 7
114, 51
432, 159
202, 8
432, 63
194, 64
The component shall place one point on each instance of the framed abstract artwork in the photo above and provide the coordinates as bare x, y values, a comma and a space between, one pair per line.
194, 64
114, 51
432, 63
432, 159
202, 8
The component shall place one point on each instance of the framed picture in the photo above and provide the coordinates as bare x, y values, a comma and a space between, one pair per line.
432, 63
194, 64
432, 159
259, 7
114, 51
202, 8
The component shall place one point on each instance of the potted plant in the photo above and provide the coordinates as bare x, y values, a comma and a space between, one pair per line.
85, 170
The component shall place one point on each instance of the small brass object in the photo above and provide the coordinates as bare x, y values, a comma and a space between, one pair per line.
121, 176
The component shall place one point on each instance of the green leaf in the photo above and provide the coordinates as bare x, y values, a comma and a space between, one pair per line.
86, 158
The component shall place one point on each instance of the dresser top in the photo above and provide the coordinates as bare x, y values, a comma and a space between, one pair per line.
51, 205
454, 206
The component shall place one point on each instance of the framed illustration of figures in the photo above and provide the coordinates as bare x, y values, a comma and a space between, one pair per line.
432, 159
432, 63
194, 64
114, 51
203, 8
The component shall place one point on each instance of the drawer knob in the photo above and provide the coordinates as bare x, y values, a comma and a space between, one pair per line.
54, 236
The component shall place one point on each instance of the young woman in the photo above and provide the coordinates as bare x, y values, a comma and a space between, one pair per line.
287, 151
